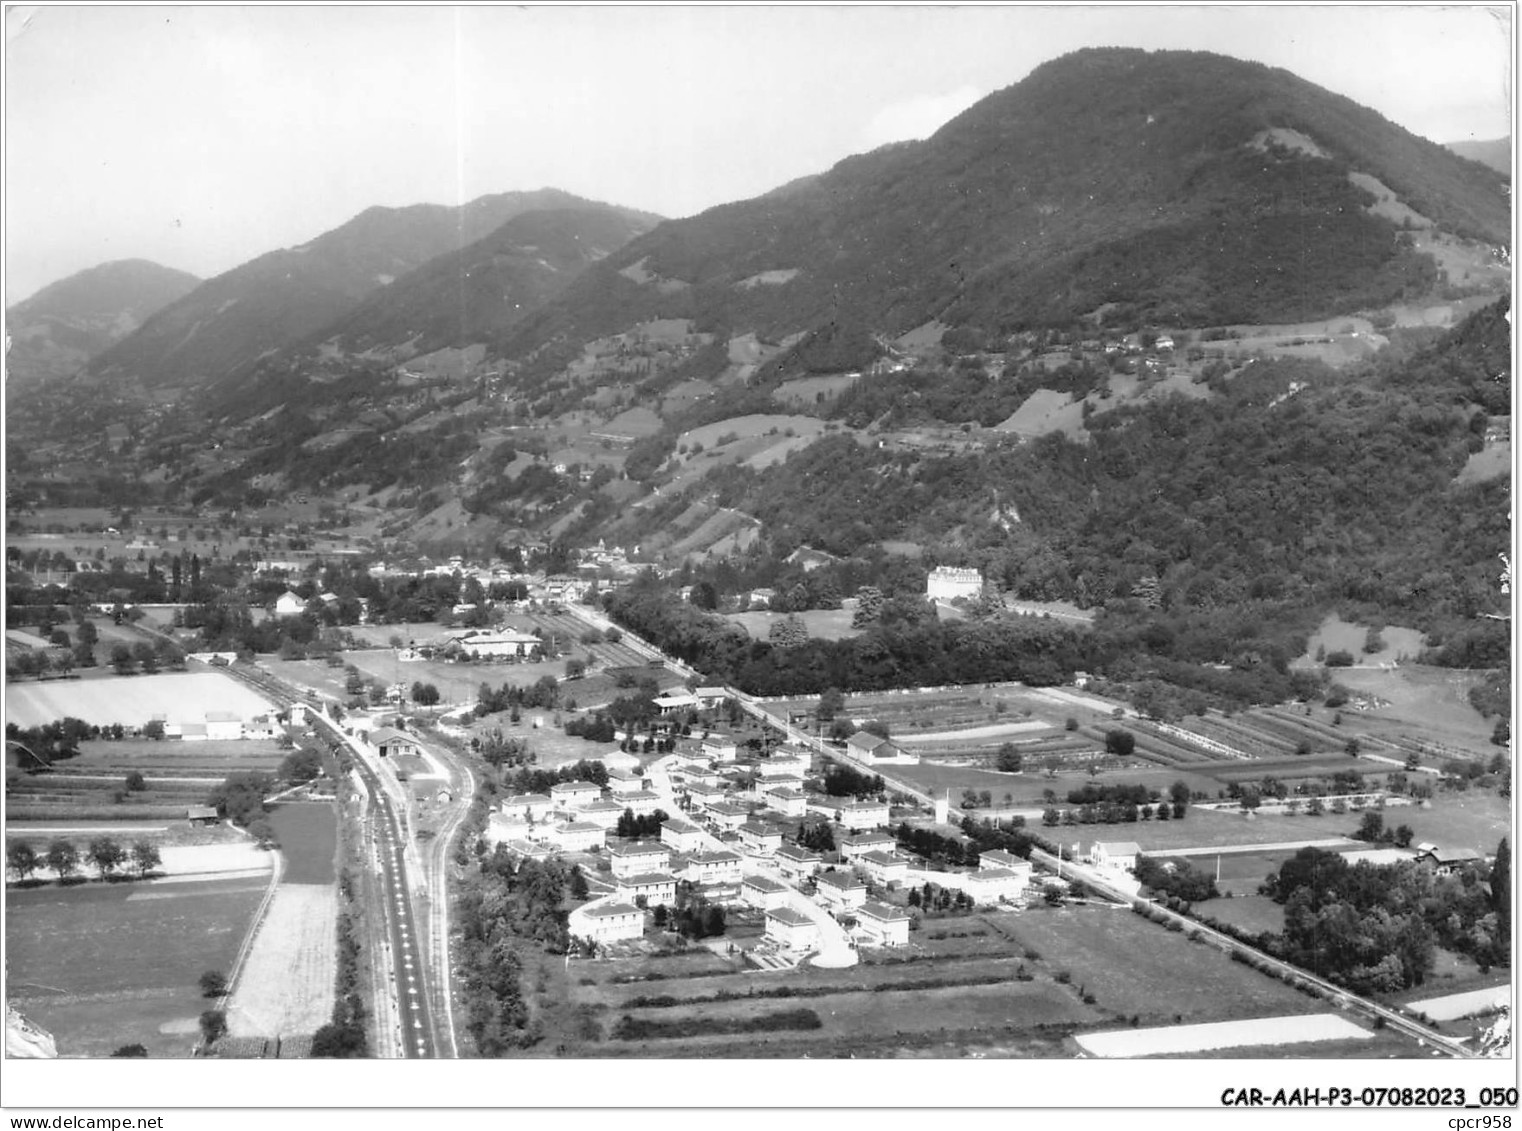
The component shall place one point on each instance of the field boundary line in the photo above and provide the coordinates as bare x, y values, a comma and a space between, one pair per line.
258, 925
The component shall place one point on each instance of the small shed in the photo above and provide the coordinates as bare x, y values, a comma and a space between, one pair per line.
202, 815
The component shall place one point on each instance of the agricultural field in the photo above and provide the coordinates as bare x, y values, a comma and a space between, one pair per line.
1029, 788
286, 986
823, 624
132, 700
1335, 634
1422, 703
805, 392
92, 785
1133, 966
1254, 913
1475, 819
104, 965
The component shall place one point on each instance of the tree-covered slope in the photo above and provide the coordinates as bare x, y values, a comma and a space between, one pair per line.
1150, 180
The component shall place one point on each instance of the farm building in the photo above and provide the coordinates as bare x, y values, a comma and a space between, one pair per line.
874, 749
796, 862
681, 836
1447, 861
612, 922
883, 924
947, 583
202, 815
841, 890
288, 604
1117, 855
223, 726
763, 892
791, 929
634, 857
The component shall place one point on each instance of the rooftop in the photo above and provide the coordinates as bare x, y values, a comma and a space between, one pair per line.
764, 883
883, 912
611, 911
789, 916
646, 880
841, 880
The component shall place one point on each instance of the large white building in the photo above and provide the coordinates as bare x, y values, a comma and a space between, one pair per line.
946, 583
612, 922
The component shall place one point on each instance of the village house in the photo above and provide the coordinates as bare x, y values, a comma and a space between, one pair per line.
531, 850
786, 761
261, 726
643, 802
861, 814
1448, 861
711, 698
705, 796
727, 816
581, 836
527, 806
883, 868
622, 782
656, 887
841, 891
188, 732
762, 598
883, 924
796, 862
763, 892
759, 839
1117, 856
612, 922
873, 749
990, 885
714, 868
720, 748
681, 836
288, 604
639, 856
998, 858
604, 814
704, 774
574, 794
859, 844
787, 801
792, 930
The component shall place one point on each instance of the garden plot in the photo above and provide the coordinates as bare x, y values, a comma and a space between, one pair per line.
1262, 1031
1454, 1006
286, 986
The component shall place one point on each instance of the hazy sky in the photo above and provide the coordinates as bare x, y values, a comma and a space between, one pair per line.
200, 137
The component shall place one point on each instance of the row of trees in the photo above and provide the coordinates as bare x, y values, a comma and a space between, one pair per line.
64, 859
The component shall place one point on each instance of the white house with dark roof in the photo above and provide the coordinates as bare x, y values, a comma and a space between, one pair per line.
681, 836
883, 867
760, 839
390, 742
604, 813
622, 782
527, 806
855, 814
791, 929
575, 794
580, 836
875, 750
841, 891
883, 924
609, 922
720, 748
711, 697
1118, 855
763, 892
656, 887
675, 701
786, 801
991, 885
796, 862
714, 868
853, 845
704, 796
642, 801
634, 857
729, 817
